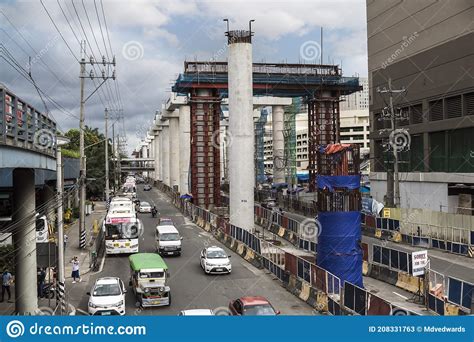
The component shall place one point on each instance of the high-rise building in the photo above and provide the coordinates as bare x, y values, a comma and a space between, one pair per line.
358, 100
426, 47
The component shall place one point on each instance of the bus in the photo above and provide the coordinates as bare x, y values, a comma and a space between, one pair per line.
121, 229
149, 279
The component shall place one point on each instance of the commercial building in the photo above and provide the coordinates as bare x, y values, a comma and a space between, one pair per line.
427, 48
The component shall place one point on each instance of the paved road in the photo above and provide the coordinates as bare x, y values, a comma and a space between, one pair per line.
445, 263
190, 287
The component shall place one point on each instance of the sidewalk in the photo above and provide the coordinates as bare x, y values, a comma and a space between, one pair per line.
72, 246
72, 249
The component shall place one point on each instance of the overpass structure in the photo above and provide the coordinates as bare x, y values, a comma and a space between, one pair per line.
198, 95
27, 150
189, 135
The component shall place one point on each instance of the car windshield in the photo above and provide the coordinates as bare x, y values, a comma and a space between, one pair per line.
166, 222
151, 274
144, 204
216, 254
169, 237
102, 290
259, 310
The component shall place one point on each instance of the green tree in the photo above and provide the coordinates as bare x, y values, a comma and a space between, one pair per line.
94, 143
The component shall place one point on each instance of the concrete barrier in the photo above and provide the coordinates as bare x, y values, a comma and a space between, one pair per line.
410, 283
322, 302
240, 248
294, 285
451, 309
305, 291
281, 231
365, 268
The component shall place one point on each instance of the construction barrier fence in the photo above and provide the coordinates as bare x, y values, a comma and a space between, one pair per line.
320, 288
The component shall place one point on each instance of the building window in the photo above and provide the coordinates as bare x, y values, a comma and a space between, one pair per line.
454, 107
436, 110
469, 103
416, 114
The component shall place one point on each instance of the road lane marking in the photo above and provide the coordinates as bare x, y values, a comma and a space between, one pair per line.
398, 294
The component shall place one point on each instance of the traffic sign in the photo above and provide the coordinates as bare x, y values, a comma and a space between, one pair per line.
419, 262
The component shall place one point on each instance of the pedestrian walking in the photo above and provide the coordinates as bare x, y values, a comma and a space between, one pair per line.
7, 280
41, 276
65, 237
75, 270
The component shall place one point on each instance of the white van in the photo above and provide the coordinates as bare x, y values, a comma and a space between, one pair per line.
168, 240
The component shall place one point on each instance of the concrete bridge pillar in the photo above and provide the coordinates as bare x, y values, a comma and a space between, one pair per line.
24, 241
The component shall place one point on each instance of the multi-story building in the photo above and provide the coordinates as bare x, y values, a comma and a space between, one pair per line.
354, 130
358, 100
427, 48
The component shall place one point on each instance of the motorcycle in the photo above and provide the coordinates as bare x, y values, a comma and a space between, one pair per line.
153, 212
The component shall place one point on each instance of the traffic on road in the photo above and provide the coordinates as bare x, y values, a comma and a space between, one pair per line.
166, 265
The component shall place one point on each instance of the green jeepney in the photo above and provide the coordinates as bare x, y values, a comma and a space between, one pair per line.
149, 278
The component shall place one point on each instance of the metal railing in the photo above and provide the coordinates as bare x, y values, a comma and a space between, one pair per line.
22, 126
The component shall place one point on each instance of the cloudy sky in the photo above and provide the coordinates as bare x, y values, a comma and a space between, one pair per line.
151, 40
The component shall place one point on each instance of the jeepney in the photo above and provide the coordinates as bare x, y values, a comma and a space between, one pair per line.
148, 279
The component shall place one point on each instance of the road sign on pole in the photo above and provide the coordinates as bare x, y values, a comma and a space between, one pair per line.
419, 262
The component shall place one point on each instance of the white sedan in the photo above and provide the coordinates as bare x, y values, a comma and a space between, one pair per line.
145, 207
107, 297
215, 260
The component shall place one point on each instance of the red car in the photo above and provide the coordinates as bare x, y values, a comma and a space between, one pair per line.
252, 306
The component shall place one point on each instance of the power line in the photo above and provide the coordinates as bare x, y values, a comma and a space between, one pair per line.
57, 29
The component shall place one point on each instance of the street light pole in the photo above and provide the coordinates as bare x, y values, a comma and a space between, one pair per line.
59, 193
107, 190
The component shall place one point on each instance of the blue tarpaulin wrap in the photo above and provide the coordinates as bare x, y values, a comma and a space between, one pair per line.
331, 182
339, 250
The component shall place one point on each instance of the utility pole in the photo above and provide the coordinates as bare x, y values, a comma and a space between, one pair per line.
82, 174
82, 178
114, 156
393, 184
59, 193
107, 190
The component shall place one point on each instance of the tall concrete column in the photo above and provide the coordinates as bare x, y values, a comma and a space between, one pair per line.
278, 144
152, 155
174, 149
156, 157
184, 148
165, 153
241, 130
24, 241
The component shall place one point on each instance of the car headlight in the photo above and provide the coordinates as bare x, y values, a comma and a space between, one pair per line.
147, 290
120, 303
92, 305
208, 264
